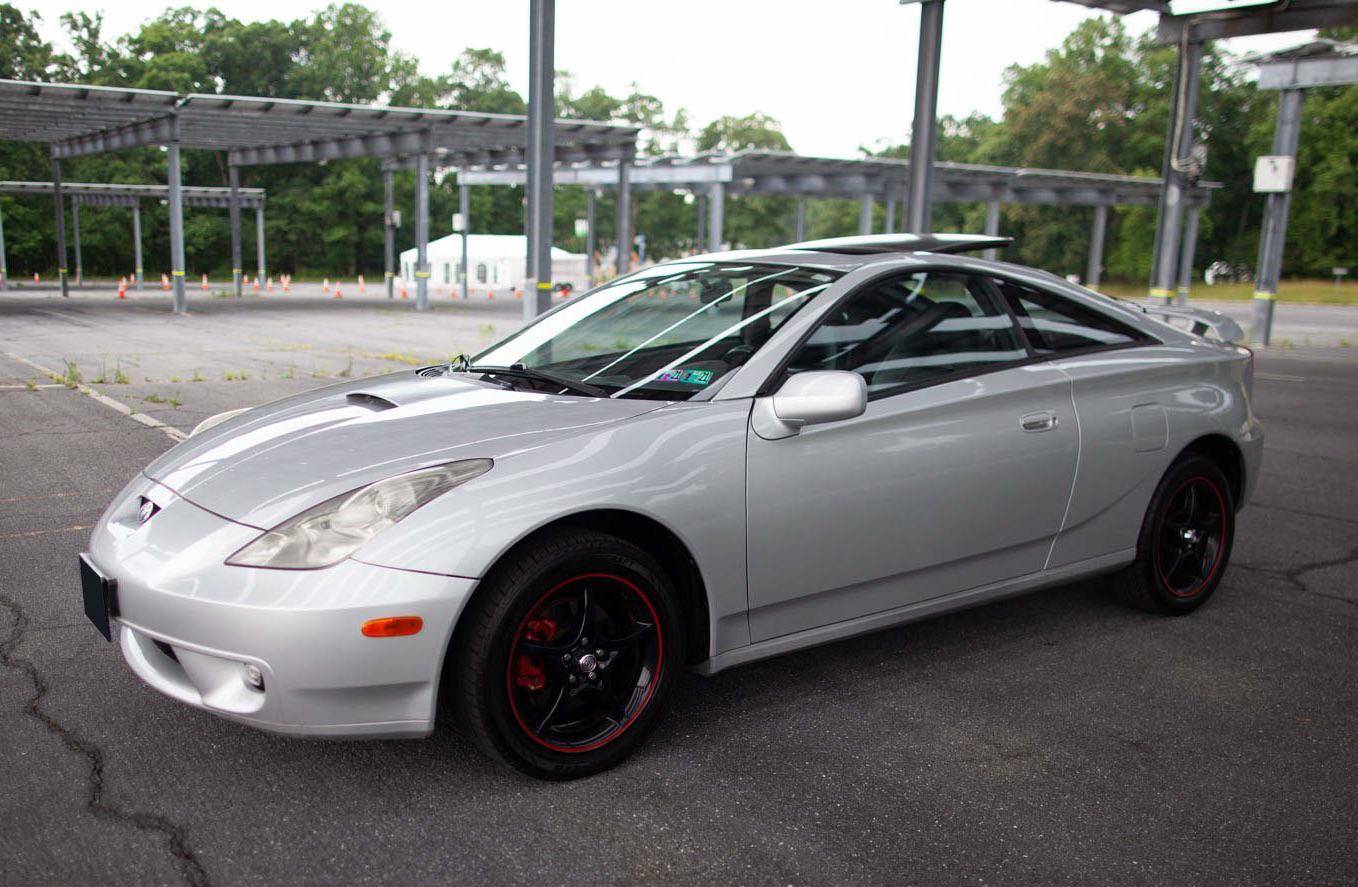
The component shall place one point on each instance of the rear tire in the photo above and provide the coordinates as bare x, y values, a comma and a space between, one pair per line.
1185, 540
568, 654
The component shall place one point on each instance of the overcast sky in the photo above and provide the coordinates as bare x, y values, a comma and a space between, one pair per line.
836, 74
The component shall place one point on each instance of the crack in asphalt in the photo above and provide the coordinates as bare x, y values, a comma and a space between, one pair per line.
96, 801
1293, 575
1303, 512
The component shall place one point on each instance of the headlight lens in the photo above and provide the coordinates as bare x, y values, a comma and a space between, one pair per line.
214, 421
333, 530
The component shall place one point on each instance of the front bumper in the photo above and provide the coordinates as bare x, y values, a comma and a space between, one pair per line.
189, 624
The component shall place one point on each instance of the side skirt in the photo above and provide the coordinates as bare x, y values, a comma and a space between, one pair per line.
913, 612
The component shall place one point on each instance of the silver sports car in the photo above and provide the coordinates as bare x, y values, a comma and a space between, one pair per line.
704, 463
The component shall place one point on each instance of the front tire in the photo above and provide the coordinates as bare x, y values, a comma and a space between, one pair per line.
1185, 540
568, 655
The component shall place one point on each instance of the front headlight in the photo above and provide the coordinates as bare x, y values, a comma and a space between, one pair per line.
333, 530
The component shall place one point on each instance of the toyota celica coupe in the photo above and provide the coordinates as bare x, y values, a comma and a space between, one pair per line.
698, 465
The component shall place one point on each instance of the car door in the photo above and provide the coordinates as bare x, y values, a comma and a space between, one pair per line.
956, 476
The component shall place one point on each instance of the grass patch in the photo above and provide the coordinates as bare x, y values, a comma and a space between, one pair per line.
197, 376
234, 376
1319, 292
30, 385
72, 377
398, 357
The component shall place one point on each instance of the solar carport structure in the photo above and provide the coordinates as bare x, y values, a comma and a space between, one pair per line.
78, 120
713, 177
131, 196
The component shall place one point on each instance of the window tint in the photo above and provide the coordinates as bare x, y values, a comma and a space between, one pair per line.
910, 329
1054, 323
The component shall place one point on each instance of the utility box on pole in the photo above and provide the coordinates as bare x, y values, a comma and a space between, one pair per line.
1273, 174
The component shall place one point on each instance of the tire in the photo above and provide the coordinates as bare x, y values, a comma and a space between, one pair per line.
1185, 540
533, 689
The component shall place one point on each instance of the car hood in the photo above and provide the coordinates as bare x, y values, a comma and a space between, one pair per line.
269, 463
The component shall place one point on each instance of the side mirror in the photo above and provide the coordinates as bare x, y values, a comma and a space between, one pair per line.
810, 399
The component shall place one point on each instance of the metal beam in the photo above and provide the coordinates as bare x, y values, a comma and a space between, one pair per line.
1307, 73
157, 131
61, 225
237, 266
716, 216
421, 232
1298, 15
1178, 147
1094, 267
623, 225
992, 227
541, 152
138, 273
389, 231
1286, 135
181, 305
924, 132
1190, 246
464, 206
261, 268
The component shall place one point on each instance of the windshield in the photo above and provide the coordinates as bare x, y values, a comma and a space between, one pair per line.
668, 332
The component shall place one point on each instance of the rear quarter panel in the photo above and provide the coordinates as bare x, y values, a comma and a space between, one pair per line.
1138, 408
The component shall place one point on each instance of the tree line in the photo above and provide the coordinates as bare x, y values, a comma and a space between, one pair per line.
1098, 102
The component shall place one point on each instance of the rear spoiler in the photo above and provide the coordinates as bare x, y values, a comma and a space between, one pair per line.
1198, 321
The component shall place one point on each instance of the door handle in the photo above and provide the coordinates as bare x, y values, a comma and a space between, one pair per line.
1040, 421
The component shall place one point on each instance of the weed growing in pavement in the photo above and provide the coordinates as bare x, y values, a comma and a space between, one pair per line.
120, 377
175, 379
289, 373
398, 357
348, 368
72, 377
1345, 343
234, 376
197, 376
30, 385
154, 398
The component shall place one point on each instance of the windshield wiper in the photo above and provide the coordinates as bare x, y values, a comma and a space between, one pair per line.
520, 371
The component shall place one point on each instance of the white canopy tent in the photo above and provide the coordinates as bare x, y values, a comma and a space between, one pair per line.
495, 262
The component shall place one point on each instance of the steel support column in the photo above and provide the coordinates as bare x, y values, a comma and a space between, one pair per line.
700, 238
464, 206
865, 214
890, 212
1286, 134
716, 216
237, 266
591, 199
260, 266
624, 221
1094, 267
992, 227
4, 264
924, 131
75, 237
181, 304
138, 273
421, 231
541, 153
389, 232
1190, 246
799, 222
61, 226
1178, 147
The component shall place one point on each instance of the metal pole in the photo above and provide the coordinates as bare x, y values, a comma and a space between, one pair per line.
890, 211
464, 206
1286, 134
624, 221
541, 153
924, 132
237, 266
865, 214
590, 199
61, 225
75, 235
138, 273
4, 266
992, 227
716, 212
389, 232
181, 305
1178, 145
421, 231
1190, 246
799, 224
1094, 269
700, 201
260, 266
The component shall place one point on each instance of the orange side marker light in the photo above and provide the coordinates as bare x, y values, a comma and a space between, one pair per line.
392, 626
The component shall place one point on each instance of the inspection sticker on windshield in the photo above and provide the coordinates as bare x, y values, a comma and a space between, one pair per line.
687, 377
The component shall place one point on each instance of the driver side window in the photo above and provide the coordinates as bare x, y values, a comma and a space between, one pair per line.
913, 329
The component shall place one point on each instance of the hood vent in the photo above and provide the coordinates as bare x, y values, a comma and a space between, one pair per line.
431, 371
371, 401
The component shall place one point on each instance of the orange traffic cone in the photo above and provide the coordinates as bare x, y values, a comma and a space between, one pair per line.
122, 287
325, 285
269, 284
165, 281
338, 294
405, 291
35, 277
518, 293
256, 283
361, 287
204, 283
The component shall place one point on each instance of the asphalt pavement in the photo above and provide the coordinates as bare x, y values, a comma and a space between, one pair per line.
1056, 737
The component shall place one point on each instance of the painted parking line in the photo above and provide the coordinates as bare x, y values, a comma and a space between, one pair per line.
170, 431
1279, 377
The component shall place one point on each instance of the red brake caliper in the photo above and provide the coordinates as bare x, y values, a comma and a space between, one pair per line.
529, 673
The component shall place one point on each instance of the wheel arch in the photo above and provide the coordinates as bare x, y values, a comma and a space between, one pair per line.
1227, 456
